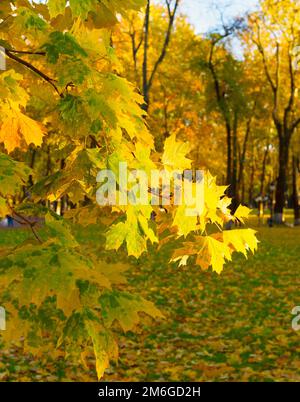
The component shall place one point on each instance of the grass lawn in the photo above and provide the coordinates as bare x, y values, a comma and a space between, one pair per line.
236, 326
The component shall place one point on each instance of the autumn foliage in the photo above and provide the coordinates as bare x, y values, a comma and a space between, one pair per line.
67, 111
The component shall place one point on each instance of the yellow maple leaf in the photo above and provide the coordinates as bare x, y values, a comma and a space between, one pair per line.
242, 212
241, 240
213, 196
19, 130
174, 156
185, 224
213, 252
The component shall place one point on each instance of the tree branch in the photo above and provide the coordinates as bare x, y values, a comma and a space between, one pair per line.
172, 14
34, 69
27, 52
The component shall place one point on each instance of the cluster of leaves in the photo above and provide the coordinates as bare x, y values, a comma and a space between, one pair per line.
63, 89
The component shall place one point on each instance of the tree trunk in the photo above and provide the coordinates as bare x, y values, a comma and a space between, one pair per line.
243, 191
234, 173
147, 76
242, 156
295, 191
251, 184
282, 179
263, 172
229, 163
145, 61
262, 181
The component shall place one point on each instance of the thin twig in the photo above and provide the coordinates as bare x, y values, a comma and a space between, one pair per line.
27, 52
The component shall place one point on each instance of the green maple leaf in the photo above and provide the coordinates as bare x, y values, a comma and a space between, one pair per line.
62, 44
13, 175
125, 308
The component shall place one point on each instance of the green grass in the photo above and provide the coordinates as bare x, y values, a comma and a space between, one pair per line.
232, 327
288, 216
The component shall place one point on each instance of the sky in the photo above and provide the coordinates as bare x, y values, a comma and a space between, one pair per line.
204, 14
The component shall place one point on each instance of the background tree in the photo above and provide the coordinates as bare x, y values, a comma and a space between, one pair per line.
140, 42
275, 39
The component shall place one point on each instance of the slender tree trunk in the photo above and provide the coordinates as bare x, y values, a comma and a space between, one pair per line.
234, 173
263, 172
225, 113
251, 183
145, 61
242, 156
229, 153
148, 76
295, 191
135, 49
263, 179
166, 113
282, 179
242, 185
48, 166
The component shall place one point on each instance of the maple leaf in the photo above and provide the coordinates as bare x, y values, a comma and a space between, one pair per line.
174, 156
241, 213
135, 231
14, 175
215, 250
82, 8
114, 272
50, 269
11, 89
102, 17
62, 43
59, 228
105, 346
143, 160
213, 198
56, 7
212, 252
241, 240
124, 308
19, 130
185, 224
